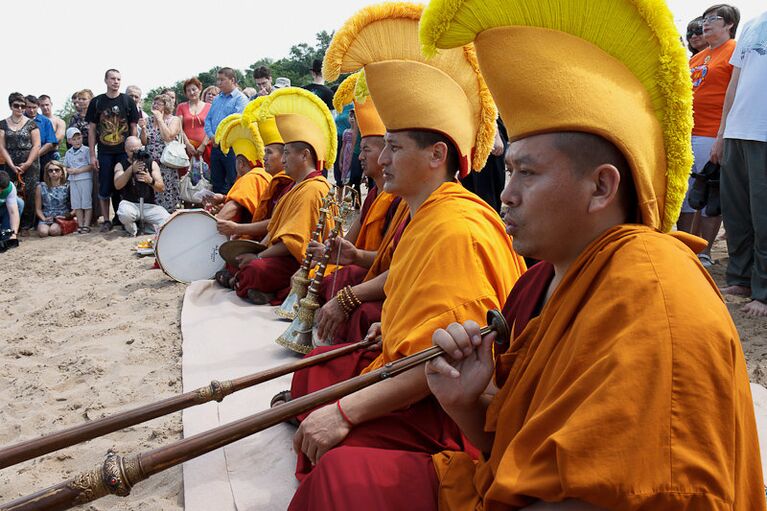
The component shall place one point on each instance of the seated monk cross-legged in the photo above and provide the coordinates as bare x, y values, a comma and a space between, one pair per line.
308, 131
624, 385
437, 273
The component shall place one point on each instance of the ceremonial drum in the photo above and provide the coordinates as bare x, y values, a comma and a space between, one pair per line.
187, 246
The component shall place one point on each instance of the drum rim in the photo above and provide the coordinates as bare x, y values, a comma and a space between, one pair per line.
162, 227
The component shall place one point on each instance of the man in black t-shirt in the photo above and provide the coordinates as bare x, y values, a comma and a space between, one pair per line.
318, 86
111, 118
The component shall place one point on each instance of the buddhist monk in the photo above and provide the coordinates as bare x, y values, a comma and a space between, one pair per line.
624, 385
427, 144
353, 295
307, 129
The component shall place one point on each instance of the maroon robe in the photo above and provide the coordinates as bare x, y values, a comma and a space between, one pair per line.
380, 477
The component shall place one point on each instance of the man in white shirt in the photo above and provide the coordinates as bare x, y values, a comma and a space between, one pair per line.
742, 146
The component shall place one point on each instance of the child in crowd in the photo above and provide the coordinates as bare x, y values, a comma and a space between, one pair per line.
52, 201
80, 170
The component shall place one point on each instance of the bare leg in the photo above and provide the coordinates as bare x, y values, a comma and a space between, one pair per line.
80, 217
709, 228
55, 230
43, 229
104, 204
88, 214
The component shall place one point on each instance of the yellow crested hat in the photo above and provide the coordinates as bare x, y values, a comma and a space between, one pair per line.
354, 90
243, 138
267, 127
613, 68
446, 94
301, 116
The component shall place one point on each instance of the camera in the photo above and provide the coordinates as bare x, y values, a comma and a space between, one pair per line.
143, 155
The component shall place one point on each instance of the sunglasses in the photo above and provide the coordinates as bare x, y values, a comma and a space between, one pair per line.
695, 31
19, 105
54, 169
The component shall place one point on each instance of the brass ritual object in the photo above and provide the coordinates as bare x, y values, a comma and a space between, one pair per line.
299, 282
298, 336
116, 476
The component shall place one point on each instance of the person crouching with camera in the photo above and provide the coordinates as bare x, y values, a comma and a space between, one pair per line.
138, 178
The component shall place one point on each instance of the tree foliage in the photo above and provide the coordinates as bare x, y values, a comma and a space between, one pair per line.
295, 66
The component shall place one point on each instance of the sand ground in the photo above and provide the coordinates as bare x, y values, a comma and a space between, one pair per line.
89, 329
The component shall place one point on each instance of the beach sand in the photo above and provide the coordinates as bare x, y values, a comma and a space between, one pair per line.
89, 329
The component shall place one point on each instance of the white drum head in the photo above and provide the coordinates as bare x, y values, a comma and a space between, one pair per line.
187, 246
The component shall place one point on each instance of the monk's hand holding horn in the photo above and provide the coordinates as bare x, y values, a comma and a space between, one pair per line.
323, 429
374, 332
316, 249
459, 378
329, 318
343, 251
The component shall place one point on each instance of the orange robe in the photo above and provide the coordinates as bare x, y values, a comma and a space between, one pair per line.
374, 223
296, 214
629, 391
279, 185
453, 263
248, 189
292, 223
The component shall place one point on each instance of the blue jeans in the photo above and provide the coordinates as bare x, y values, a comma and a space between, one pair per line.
222, 170
5, 218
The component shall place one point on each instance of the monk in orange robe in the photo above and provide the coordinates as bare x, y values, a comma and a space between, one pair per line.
279, 184
408, 316
246, 192
261, 276
374, 230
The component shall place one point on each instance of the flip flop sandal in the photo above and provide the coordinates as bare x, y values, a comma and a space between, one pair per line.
86, 229
280, 399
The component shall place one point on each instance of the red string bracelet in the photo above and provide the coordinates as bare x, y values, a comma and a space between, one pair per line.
346, 417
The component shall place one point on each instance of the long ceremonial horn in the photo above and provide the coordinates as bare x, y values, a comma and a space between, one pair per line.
117, 475
298, 336
299, 282
216, 390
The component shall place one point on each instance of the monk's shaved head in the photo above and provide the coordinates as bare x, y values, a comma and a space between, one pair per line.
587, 152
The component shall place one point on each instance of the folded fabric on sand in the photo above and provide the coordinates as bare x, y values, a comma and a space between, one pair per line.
224, 338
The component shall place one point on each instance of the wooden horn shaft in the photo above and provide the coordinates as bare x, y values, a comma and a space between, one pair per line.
216, 390
118, 475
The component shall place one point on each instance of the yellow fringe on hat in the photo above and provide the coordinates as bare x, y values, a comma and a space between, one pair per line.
295, 100
361, 91
223, 125
250, 114
664, 73
345, 93
488, 113
346, 35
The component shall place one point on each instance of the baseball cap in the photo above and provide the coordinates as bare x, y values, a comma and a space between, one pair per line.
71, 132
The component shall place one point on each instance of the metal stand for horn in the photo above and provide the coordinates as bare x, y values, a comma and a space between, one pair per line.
299, 335
299, 282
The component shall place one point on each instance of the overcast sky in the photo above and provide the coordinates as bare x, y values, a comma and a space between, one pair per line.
60, 47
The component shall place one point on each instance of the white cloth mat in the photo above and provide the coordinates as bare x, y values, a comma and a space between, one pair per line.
224, 338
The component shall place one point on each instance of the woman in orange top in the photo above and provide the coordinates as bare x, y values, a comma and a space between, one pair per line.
710, 70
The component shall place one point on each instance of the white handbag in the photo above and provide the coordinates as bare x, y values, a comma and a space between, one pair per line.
174, 155
188, 190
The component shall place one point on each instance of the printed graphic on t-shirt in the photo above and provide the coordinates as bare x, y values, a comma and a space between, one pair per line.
698, 74
754, 39
113, 127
